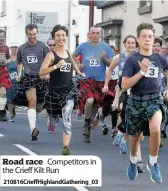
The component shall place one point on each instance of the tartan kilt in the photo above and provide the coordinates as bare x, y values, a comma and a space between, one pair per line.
90, 88
11, 92
5, 78
140, 108
55, 100
28, 82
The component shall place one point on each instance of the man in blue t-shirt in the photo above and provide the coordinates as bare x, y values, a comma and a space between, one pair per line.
96, 56
142, 73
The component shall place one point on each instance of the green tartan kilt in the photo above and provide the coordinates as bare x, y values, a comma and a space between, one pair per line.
140, 108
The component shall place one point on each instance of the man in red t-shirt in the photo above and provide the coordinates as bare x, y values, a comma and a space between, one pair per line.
5, 81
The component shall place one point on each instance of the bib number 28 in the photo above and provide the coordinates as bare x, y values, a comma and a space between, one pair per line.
66, 67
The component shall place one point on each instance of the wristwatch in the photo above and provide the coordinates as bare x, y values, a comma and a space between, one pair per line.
142, 72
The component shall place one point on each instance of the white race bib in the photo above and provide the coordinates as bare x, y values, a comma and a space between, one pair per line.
13, 75
32, 59
114, 75
66, 67
152, 72
94, 62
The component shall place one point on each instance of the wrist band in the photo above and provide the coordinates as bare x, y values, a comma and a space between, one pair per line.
142, 72
55, 67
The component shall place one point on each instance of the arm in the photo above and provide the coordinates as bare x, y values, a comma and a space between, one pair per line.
46, 67
19, 63
130, 82
75, 67
129, 79
110, 69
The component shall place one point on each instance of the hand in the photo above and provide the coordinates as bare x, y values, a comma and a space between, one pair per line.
46, 77
105, 89
60, 63
165, 95
82, 74
17, 78
115, 104
102, 54
144, 64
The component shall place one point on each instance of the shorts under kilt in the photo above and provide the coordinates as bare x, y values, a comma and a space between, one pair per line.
5, 78
11, 92
140, 108
90, 88
55, 100
27, 82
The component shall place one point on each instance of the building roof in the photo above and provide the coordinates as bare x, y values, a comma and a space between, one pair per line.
106, 4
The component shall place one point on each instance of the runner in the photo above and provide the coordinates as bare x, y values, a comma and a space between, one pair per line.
32, 89
12, 68
61, 93
96, 56
142, 73
5, 81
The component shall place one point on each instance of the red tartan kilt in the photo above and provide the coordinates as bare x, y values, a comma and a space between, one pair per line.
5, 78
92, 89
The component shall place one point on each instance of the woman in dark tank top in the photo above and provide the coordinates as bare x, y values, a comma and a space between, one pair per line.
61, 94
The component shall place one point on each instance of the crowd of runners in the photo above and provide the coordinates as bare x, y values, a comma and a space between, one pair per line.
131, 87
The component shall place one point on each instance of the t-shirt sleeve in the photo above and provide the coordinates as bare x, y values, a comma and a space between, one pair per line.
109, 53
46, 50
164, 60
128, 70
78, 50
19, 56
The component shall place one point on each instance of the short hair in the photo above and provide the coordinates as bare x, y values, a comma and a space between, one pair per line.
130, 36
2, 31
49, 39
143, 26
95, 26
158, 40
57, 28
31, 27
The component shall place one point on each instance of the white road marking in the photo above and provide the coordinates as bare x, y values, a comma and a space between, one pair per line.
2, 135
28, 151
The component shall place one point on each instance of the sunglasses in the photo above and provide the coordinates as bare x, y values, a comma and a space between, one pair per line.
51, 45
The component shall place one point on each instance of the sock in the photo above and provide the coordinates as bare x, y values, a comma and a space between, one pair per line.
152, 160
124, 141
31, 113
2, 103
139, 158
119, 133
133, 159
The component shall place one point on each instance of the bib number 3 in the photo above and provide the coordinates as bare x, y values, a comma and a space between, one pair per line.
152, 72
66, 67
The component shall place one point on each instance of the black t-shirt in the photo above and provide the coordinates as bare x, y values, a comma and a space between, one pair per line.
61, 79
151, 83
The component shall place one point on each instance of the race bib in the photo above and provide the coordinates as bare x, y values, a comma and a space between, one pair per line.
94, 62
32, 59
114, 75
66, 67
13, 75
152, 72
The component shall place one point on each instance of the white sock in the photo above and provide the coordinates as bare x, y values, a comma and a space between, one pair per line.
31, 113
134, 159
139, 158
124, 141
152, 160
2, 103
120, 133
